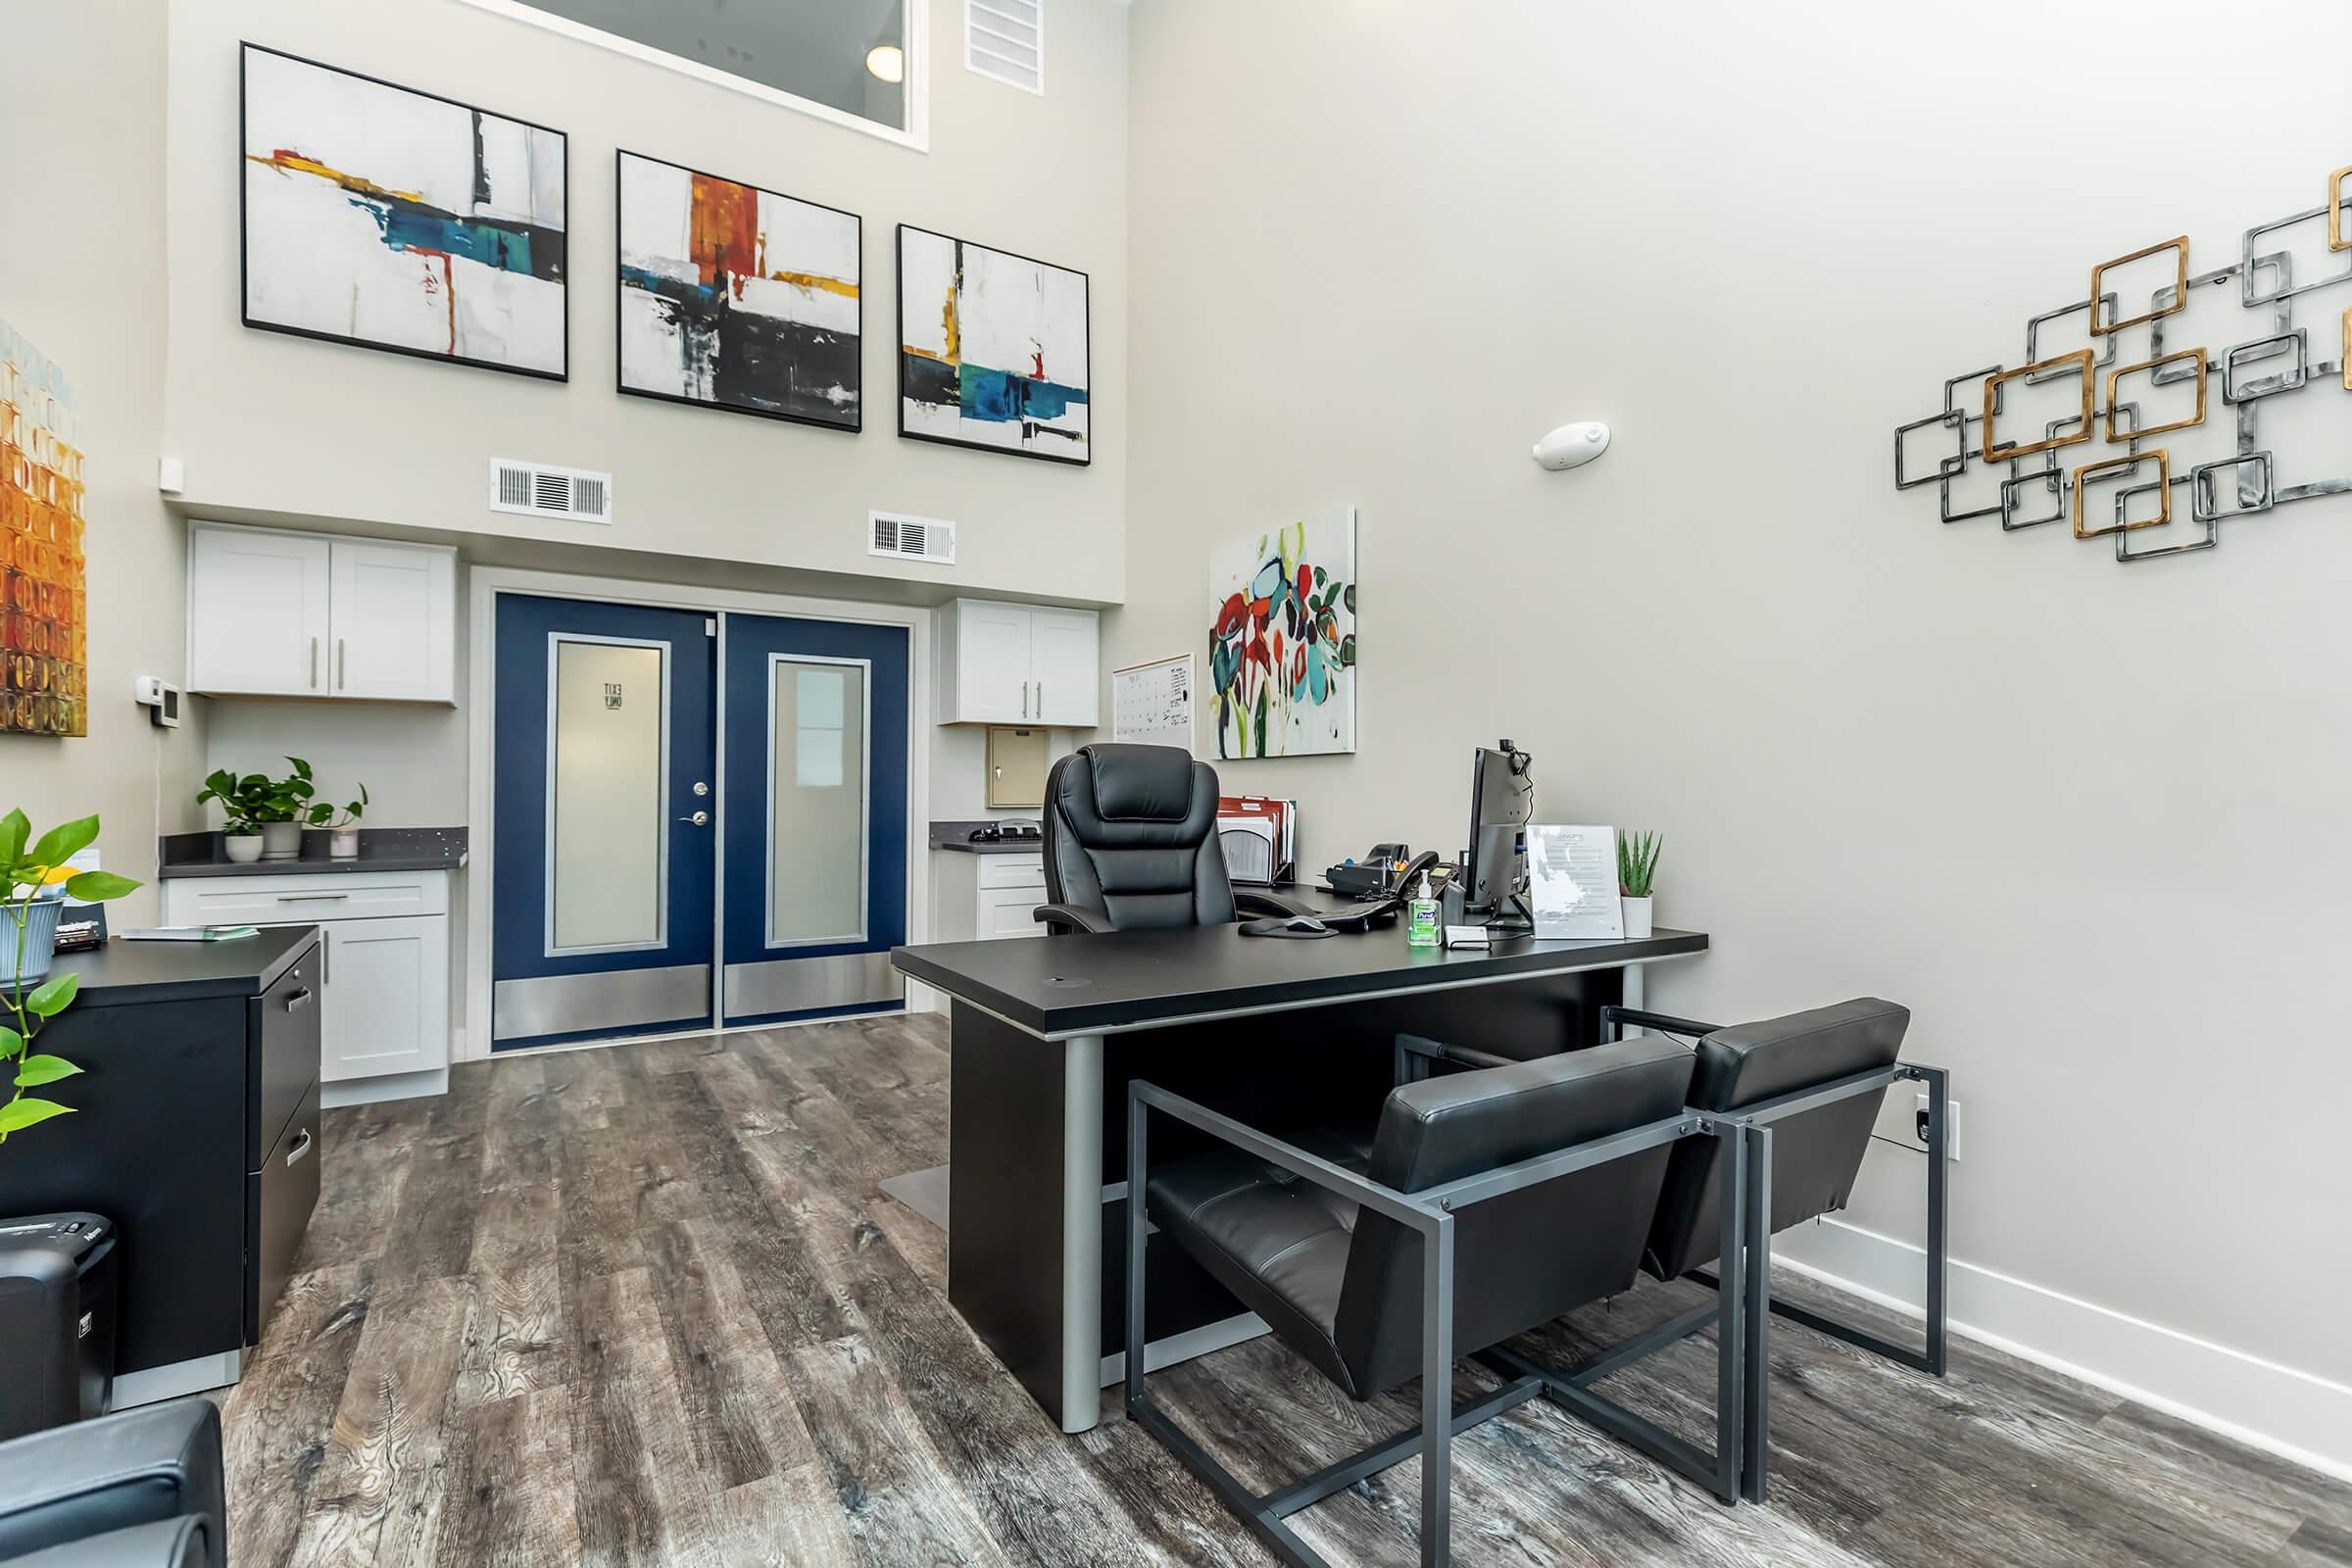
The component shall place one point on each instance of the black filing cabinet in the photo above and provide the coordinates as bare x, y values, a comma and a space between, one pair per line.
196, 1131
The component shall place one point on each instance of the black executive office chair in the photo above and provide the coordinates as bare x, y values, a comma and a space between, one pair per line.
1131, 844
1807, 1087
1489, 1202
138, 1489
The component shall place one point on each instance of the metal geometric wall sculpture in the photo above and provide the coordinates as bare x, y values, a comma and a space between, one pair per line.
2067, 485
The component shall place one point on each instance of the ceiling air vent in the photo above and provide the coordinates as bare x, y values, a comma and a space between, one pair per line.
538, 491
1005, 40
925, 539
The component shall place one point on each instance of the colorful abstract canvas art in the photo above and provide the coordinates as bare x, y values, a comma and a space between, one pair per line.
390, 218
992, 349
1281, 640
735, 297
44, 611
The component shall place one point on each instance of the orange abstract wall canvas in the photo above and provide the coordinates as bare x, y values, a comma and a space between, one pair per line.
44, 637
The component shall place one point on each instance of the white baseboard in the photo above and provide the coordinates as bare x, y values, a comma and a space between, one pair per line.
391, 1085
2296, 1415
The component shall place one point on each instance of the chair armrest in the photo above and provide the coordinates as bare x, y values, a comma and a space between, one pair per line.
187, 1542
130, 1468
1387, 1201
1614, 1018
1061, 917
1255, 902
1438, 1050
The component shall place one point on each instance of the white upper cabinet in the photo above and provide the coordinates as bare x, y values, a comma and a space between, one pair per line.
291, 615
1019, 665
257, 612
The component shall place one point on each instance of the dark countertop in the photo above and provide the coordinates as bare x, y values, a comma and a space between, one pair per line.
956, 836
1077, 985
123, 973
381, 849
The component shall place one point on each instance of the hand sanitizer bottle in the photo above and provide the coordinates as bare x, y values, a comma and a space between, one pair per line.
1421, 918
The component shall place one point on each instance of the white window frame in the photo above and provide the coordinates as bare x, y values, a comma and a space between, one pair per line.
917, 86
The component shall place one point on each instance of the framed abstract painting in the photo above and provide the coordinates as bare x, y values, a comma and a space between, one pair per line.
390, 218
44, 586
1281, 656
992, 349
733, 296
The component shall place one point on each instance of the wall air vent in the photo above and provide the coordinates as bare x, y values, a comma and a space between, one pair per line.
925, 539
1005, 40
536, 490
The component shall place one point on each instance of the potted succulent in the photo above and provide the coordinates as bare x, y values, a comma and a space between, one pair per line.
37, 880
275, 806
341, 827
1637, 867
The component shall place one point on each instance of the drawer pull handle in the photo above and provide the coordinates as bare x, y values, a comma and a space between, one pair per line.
312, 898
298, 999
302, 1147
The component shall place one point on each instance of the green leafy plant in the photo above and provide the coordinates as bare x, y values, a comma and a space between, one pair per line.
26, 874
253, 799
322, 814
1636, 862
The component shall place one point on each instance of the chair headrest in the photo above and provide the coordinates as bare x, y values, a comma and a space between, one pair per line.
1140, 783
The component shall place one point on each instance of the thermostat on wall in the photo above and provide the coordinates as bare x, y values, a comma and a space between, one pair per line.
160, 698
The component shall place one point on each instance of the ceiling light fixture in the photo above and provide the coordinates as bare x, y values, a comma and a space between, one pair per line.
886, 61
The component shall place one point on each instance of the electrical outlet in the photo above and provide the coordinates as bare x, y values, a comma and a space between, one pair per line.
1951, 1132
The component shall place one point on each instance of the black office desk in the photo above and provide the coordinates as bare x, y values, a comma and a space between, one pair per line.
1046, 1034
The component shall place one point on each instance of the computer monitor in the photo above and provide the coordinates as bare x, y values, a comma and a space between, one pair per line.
1502, 798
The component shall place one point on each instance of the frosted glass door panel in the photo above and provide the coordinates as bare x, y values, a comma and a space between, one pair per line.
607, 821
817, 767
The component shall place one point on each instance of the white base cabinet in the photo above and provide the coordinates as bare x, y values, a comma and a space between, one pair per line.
986, 897
383, 990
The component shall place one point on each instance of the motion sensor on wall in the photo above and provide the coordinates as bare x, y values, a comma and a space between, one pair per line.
1572, 446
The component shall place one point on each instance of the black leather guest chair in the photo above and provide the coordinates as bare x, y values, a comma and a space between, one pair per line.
1131, 845
1487, 1203
138, 1489
1807, 1087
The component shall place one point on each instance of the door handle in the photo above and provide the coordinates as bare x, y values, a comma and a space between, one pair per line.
298, 999
302, 1147
699, 820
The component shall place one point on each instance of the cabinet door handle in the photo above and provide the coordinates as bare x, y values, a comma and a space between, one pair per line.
1041, 701
1024, 699
298, 999
326, 948
302, 1147
342, 667
314, 663
312, 898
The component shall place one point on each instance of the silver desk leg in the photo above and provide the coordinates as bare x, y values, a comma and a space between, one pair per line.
1082, 1233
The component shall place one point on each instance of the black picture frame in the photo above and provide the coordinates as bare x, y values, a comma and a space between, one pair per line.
246, 50
858, 427
899, 355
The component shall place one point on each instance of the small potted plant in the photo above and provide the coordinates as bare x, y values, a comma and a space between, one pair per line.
37, 880
1637, 867
276, 808
341, 827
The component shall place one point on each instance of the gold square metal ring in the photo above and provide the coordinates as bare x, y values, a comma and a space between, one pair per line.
2179, 249
2080, 360
2338, 239
2117, 374
2164, 492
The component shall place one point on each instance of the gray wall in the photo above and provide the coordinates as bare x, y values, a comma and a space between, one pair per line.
277, 425
81, 275
2086, 820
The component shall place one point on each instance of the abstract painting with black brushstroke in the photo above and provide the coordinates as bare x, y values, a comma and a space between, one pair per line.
390, 218
738, 298
992, 349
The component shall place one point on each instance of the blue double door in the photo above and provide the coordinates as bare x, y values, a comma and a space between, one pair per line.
699, 819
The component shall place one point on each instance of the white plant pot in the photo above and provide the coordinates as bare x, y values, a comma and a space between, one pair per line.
281, 840
343, 844
1636, 917
243, 849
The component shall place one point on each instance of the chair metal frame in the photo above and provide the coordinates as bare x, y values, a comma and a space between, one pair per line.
1757, 1121
1430, 1214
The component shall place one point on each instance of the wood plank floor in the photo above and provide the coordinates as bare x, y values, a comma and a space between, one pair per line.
649, 1305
